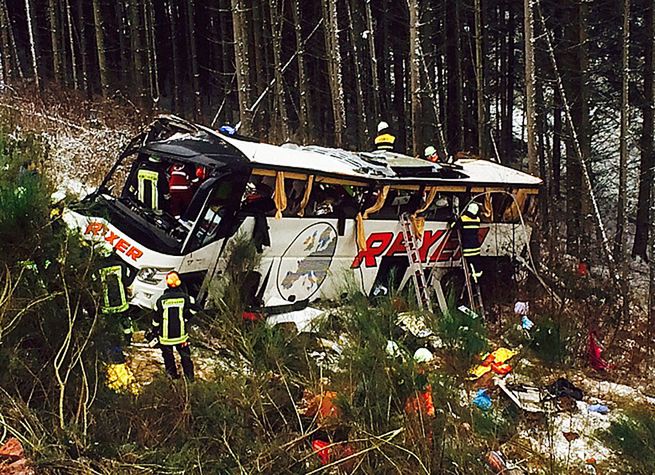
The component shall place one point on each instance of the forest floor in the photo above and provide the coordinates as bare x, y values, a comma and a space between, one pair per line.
84, 139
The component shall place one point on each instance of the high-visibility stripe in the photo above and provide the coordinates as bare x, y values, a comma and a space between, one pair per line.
147, 188
385, 139
473, 251
179, 187
469, 222
106, 276
169, 306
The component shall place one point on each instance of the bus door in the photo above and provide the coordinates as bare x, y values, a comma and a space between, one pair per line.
215, 222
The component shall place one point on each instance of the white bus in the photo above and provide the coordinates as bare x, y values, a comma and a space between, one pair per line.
320, 216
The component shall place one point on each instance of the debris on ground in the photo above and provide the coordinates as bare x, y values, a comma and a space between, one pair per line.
482, 400
306, 320
13, 460
496, 362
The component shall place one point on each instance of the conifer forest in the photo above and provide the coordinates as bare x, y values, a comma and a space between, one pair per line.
562, 90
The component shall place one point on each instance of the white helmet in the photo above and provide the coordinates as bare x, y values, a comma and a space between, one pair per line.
473, 208
423, 355
429, 150
382, 125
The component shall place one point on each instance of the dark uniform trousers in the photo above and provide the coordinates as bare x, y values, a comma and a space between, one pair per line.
184, 350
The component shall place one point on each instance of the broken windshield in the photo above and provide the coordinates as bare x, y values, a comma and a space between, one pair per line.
159, 190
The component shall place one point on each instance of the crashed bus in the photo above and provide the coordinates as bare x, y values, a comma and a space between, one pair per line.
323, 219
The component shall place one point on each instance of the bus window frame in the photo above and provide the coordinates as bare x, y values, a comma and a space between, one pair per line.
229, 218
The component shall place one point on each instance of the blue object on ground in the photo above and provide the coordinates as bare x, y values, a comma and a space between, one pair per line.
599, 408
482, 400
526, 323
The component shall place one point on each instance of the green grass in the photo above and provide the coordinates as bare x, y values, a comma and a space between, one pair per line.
633, 438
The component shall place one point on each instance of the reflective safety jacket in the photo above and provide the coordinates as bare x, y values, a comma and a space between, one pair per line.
179, 185
172, 314
470, 225
152, 185
115, 276
385, 141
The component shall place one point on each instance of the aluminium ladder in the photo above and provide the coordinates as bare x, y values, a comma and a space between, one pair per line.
415, 265
472, 287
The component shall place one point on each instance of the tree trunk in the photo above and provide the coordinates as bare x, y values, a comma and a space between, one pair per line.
507, 126
362, 122
71, 44
557, 143
530, 87
453, 97
414, 74
193, 58
239, 25
619, 240
646, 176
572, 82
303, 90
54, 38
100, 47
479, 82
172, 15
136, 45
6, 46
375, 82
331, 29
84, 56
31, 27
277, 21
151, 42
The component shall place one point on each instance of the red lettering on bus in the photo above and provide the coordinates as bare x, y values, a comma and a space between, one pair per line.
134, 253
111, 237
122, 245
95, 228
375, 246
429, 238
398, 246
390, 245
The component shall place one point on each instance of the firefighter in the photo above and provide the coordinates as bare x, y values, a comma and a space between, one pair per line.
169, 325
179, 186
152, 184
384, 140
469, 223
430, 154
115, 277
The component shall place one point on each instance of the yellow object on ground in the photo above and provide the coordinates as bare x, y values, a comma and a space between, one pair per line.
498, 357
121, 379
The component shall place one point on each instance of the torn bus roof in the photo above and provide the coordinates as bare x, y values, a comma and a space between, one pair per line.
384, 167
174, 137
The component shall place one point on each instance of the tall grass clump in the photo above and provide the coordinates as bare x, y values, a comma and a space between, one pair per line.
632, 436
463, 334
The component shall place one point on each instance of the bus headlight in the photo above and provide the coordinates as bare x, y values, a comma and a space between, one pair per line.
152, 275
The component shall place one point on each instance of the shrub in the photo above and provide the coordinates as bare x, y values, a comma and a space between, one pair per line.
632, 436
464, 336
552, 340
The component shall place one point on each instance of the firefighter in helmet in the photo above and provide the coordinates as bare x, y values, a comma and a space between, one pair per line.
385, 140
115, 278
469, 223
173, 312
430, 154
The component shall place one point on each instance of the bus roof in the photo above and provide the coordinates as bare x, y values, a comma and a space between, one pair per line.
192, 142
